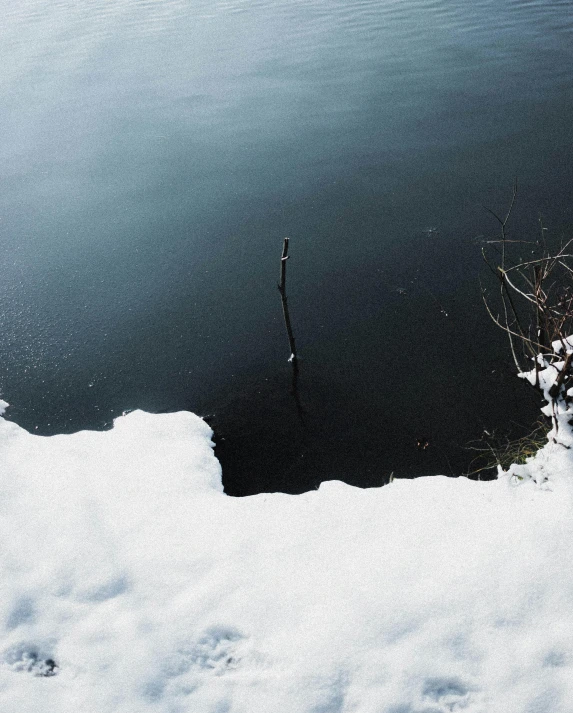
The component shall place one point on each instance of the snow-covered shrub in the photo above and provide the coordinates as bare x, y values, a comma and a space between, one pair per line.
553, 376
536, 296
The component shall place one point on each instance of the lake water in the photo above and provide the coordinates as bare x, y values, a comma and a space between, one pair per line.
155, 154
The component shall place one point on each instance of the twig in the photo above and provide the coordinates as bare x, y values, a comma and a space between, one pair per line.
290, 334
286, 315
505, 328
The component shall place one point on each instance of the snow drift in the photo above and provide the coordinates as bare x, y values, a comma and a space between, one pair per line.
130, 582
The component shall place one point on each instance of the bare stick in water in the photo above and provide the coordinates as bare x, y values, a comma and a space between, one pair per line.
282, 290
293, 355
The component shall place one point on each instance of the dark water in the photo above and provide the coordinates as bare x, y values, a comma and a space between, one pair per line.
154, 155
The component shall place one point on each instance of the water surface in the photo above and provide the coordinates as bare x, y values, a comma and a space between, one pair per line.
154, 156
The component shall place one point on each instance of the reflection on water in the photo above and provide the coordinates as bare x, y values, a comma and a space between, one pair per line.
155, 155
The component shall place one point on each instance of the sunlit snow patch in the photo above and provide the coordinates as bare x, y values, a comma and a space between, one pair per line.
131, 583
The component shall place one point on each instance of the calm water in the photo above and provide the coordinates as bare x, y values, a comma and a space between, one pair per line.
154, 155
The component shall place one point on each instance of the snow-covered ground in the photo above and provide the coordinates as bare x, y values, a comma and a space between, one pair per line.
131, 583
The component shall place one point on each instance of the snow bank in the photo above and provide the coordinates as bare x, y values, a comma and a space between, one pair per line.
131, 583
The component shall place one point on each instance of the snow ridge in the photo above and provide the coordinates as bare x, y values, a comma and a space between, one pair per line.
131, 582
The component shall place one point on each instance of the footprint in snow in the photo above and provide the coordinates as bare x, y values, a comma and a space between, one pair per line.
22, 613
449, 693
30, 659
218, 651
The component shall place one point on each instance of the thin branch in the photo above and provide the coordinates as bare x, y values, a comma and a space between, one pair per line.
514, 194
290, 334
529, 298
286, 315
505, 328
536, 261
513, 309
507, 240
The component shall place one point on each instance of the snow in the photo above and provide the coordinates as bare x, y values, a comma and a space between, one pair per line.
131, 583
563, 344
